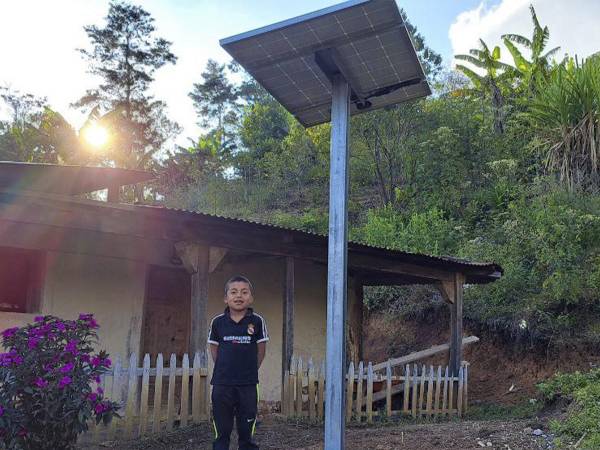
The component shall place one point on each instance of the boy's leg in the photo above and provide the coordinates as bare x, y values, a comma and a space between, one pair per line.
223, 402
246, 416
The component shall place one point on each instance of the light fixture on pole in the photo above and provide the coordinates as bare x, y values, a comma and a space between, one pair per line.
325, 66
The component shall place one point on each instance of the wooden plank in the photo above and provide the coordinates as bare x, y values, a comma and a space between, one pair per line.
370, 393
144, 395
422, 389
157, 405
450, 394
292, 388
312, 406
428, 408
287, 347
406, 389
171, 392
184, 412
349, 391
285, 389
299, 383
445, 394
438, 388
388, 389
415, 390
197, 406
199, 302
359, 391
115, 393
416, 356
321, 392
131, 397
466, 388
459, 396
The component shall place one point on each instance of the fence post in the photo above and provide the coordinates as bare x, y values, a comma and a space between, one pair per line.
466, 388
171, 392
349, 391
370, 393
388, 389
131, 396
451, 394
445, 394
359, 391
299, 379
196, 406
406, 389
157, 394
311, 391
415, 389
116, 393
459, 396
438, 386
184, 413
144, 394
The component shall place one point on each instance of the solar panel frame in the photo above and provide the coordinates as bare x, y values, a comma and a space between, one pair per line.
372, 46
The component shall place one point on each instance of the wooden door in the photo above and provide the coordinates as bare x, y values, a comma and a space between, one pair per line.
167, 312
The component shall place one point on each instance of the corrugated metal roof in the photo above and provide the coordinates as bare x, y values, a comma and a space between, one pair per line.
352, 244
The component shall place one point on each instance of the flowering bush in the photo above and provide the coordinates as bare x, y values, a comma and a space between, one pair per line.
49, 383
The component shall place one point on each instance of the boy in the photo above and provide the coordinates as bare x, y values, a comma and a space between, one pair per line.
238, 340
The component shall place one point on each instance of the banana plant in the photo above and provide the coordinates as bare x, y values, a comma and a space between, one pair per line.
495, 75
539, 64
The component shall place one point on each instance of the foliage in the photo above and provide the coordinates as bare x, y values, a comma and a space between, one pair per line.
125, 54
582, 423
565, 115
46, 395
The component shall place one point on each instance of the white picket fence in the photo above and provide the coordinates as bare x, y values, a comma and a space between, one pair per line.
420, 391
155, 397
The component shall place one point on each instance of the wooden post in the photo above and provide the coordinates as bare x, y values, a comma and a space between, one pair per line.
113, 193
452, 292
196, 260
287, 347
355, 321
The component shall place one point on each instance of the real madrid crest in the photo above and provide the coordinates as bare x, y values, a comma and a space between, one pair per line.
251, 329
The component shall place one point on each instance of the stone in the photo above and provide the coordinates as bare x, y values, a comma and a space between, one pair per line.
537, 432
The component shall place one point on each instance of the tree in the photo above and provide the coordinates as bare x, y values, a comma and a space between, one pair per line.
539, 65
36, 133
215, 101
489, 84
125, 54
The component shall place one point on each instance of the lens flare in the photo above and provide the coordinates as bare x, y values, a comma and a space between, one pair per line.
95, 135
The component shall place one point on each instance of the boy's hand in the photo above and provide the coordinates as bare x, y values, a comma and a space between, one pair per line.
262, 349
213, 352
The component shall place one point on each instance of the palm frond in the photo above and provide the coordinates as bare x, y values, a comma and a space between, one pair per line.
521, 64
470, 59
551, 53
475, 78
517, 38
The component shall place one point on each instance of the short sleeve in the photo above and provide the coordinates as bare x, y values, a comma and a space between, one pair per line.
213, 333
262, 334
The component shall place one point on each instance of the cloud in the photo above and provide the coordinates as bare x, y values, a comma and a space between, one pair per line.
573, 25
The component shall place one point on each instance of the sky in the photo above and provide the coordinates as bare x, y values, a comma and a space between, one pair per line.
39, 38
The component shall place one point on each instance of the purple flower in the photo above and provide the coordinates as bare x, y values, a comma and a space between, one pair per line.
85, 358
92, 397
97, 378
85, 316
67, 368
38, 319
107, 362
100, 391
33, 342
17, 359
101, 407
71, 346
60, 326
96, 361
1, 411
64, 381
41, 383
10, 332
89, 319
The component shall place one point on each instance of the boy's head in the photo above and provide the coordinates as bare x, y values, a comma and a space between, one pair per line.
238, 293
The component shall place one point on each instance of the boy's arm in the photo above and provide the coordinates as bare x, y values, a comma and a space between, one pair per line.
262, 349
213, 352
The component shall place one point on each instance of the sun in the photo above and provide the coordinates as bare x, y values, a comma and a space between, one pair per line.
95, 135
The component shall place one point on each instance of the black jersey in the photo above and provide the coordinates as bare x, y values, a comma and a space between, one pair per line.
237, 354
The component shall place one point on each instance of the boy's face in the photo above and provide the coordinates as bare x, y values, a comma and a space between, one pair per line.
239, 297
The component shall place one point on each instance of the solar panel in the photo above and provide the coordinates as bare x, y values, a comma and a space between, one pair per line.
365, 40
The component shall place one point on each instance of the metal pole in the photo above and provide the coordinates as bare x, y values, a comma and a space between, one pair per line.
336, 267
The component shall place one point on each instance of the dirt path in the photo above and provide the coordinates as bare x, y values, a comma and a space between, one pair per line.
275, 433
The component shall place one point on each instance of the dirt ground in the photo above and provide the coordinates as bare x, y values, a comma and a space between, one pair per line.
275, 433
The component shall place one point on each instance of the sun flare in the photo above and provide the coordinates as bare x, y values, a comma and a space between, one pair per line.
95, 135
